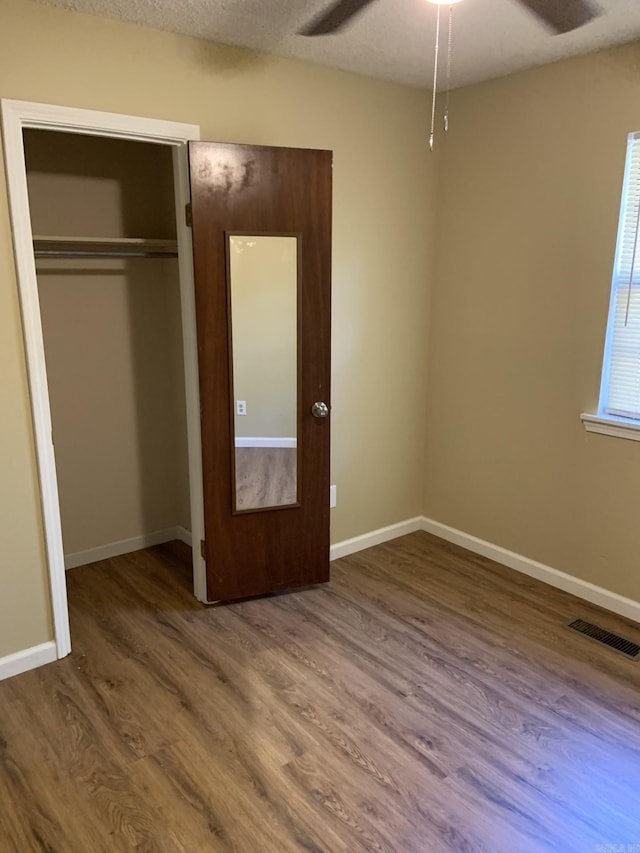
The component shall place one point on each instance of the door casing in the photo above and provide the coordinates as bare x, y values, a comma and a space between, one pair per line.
16, 117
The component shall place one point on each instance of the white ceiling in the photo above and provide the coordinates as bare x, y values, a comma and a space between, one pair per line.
392, 39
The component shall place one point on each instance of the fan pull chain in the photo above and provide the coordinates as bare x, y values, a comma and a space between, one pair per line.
449, 40
633, 267
435, 82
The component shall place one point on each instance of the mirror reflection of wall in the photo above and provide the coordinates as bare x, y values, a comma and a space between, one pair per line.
263, 273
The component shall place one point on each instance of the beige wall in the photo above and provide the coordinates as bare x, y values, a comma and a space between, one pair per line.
112, 336
264, 277
113, 350
382, 249
528, 201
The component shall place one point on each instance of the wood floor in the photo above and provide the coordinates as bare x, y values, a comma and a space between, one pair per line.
426, 700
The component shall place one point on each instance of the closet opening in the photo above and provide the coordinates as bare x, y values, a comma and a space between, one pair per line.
103, 219
76, 189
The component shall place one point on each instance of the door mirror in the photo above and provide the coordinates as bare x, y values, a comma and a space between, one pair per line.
262, 273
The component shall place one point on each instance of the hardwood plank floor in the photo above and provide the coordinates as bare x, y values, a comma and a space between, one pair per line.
425, 700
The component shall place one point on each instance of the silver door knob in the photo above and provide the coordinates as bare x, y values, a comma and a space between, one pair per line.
319, 410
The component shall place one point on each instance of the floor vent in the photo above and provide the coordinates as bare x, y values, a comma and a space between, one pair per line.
626, 647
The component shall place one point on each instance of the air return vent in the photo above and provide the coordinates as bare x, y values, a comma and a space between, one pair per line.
626, 647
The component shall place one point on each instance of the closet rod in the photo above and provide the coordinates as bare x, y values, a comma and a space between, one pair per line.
78, 253
51, 246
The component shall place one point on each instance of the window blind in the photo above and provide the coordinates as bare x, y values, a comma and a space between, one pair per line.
620, 394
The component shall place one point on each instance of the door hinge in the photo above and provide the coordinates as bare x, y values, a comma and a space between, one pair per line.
188, 215
203, 550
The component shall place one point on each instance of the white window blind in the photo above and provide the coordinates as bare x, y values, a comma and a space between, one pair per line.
620, 392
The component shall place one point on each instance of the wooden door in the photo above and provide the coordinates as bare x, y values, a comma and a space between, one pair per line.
238, 191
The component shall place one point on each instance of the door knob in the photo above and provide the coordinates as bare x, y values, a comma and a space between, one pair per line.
319, 410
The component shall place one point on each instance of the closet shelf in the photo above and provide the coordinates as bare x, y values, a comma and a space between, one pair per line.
103, 247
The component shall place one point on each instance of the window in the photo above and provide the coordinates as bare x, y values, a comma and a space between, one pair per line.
620, 390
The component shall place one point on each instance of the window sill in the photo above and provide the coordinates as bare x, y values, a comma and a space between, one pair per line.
618, 427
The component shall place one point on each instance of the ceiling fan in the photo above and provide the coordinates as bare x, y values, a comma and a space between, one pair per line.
562, 16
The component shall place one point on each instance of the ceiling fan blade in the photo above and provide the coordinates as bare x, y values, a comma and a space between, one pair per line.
562, 16
335, 17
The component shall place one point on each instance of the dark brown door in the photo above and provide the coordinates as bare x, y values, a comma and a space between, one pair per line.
266, 472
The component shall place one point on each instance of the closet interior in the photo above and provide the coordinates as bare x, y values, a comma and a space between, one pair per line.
103, 220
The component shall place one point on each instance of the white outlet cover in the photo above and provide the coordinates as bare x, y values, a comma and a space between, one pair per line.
333, 498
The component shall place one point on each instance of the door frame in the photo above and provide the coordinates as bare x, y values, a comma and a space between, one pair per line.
16, 117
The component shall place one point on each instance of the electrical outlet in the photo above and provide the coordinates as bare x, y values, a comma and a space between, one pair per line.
333, 498
241, 407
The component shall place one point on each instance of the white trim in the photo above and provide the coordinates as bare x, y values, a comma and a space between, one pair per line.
568, 583
16, 116
96, 123
27, 659
374, 537
190, 354
183, 535
13, 121
610, 425
265, 441
126, 546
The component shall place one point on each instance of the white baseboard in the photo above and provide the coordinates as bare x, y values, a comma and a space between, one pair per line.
27, 659
265, 441
568, 583
375, 537
183, 535
125, 546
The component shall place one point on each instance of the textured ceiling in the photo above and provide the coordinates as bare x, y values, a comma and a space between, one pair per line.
392, 39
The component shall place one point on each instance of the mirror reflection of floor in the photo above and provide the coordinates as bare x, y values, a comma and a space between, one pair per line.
265, 477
